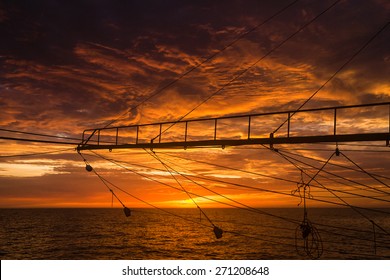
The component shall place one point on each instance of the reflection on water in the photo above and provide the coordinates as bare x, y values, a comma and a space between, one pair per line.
151, 234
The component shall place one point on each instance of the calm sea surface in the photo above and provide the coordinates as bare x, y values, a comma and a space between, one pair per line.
183, 234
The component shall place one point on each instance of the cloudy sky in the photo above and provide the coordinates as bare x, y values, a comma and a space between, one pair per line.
67, 66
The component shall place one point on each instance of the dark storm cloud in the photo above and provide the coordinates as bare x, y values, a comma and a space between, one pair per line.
49, 30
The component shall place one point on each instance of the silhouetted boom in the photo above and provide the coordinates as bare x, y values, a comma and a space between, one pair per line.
355, 123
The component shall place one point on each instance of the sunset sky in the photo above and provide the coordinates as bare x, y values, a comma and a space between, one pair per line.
67, 66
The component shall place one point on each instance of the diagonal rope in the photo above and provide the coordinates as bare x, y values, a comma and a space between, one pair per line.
373, 189
224, 203
278, 178
232, 200
327, 231
37, 154
188, 177
248, 68
281, 193
230, 168
107, 183
333, 164
38, 134
38, 141
335, 73
355, 208
240, 37
154, 155
364, 171
89, 168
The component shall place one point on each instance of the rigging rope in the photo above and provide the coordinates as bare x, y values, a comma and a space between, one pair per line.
335, 73
230, 168
333, 164
338, 176
211, 57
38, 141
244, 207
310, 198
233, 200
38, 154
355, 208
342, 191
106, 183
89, 168
267, 176
312, 244
217, 231
38, 134
364, 171
247, 69
281, 193
240, 208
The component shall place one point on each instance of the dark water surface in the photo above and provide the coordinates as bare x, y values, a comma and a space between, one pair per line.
152, 234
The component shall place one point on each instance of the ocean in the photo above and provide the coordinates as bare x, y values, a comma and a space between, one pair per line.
185, 234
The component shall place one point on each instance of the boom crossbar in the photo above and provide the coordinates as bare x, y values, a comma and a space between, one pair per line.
355, 123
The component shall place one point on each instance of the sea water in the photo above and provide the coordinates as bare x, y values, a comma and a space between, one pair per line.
108, 234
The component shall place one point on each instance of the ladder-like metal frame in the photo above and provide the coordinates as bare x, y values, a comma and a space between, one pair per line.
88, 143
